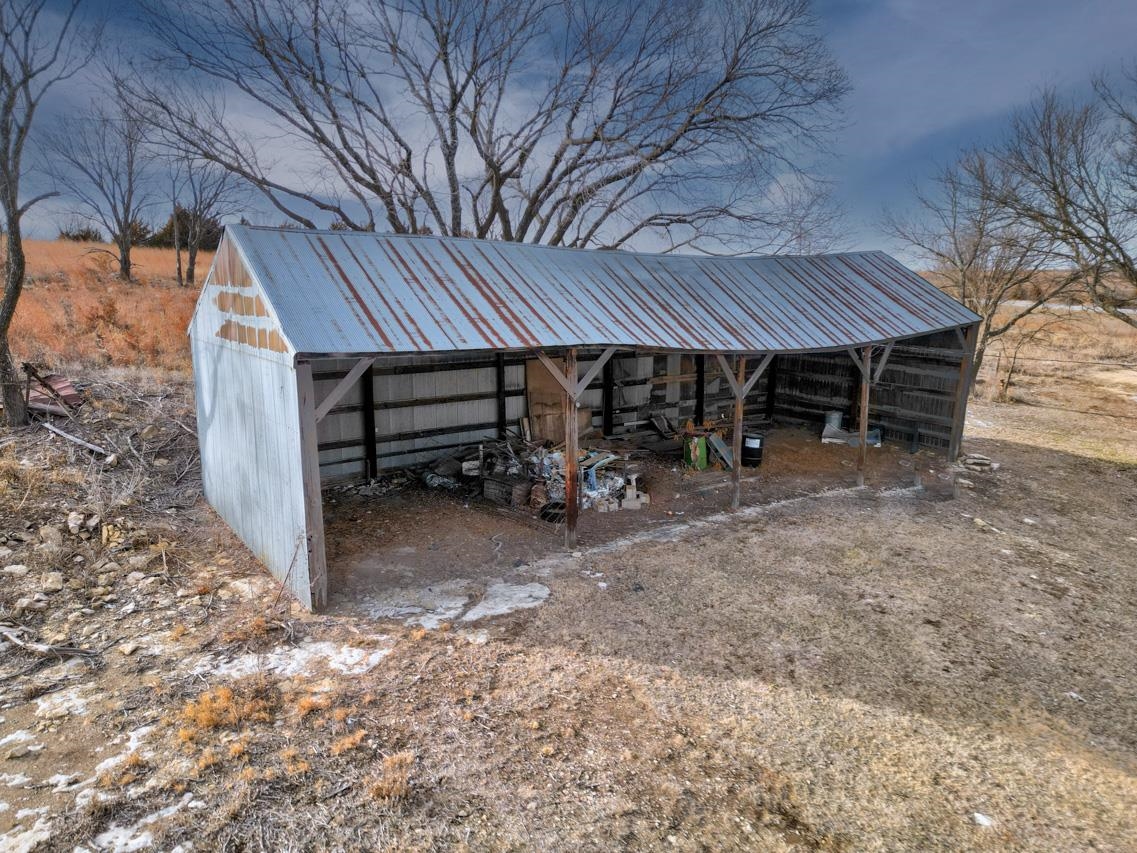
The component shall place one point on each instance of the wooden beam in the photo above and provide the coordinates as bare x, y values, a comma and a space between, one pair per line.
962, 391
700, 389
342, 388
862, 447
593, 370
883, 361
857, 361
499, 373
771, 389
736, 466
367, 397
608, 399
757, 374
310, 476
728, 374
572, 453
568, 386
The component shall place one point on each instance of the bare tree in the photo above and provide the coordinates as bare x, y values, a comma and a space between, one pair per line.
1075, 167
978, 251
204, 192
571, 123
38, 51
103, 162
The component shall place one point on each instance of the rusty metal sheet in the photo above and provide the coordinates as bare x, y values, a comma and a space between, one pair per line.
354, 293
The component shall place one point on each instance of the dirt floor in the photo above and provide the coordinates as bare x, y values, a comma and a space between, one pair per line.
865, 669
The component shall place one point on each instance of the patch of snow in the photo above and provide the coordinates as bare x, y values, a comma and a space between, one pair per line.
4, 806
23, 814
427, 606
980, 819
61, 704
26, 840
63, 782
14, 780
21, 736
127, 839
502, 598
294, 660
133, 742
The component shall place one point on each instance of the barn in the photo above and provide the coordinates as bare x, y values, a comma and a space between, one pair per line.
329, 356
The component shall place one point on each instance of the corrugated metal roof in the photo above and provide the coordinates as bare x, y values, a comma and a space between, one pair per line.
348, 292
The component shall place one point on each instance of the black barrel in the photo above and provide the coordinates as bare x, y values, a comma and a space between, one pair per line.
752, 446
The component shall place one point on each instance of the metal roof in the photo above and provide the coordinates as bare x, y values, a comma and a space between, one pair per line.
351, 292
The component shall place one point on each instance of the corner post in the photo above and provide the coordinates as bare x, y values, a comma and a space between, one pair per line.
862, 446
736, 462
572, 452
962, 391
310, 475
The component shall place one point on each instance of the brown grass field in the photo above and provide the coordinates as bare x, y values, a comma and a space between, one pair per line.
76, 312
859, 670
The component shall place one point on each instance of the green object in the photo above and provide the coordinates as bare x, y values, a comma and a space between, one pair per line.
695, 452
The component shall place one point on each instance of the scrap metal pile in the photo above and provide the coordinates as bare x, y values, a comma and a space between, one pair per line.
530, 476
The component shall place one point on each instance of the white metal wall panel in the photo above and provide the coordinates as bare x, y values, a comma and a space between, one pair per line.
249, 433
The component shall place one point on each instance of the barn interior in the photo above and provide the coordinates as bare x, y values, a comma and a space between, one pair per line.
439, 468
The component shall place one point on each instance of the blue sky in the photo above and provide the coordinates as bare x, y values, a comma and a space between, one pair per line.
929, 78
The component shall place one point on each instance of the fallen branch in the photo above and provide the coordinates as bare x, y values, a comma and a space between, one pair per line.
94, 448
12, 635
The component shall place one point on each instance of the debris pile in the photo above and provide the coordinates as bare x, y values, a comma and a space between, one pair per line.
528, 476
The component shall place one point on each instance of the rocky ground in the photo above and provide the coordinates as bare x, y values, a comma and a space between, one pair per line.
860, 670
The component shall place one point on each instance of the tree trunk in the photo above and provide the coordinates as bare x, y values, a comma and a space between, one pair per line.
980, 351
178, 249
15, 411
124, 260
191, 262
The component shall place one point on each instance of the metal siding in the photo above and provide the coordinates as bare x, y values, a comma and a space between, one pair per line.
353, 292
249, 435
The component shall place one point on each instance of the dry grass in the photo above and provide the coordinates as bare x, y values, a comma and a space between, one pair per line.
251, 700
393, 782
74, 311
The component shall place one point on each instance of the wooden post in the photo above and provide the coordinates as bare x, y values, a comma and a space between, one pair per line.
700, 389
313, 500
367, 397
572, 451
499, 370
736, 467
771, 385
607, 399
963, 391
862, 448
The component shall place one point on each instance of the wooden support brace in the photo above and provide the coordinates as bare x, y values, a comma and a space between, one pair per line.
883, 361
344, 385
857, 361
743, 385
568, 381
